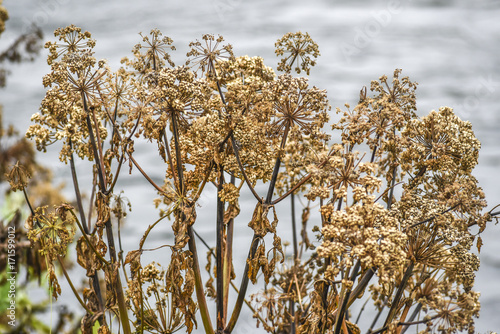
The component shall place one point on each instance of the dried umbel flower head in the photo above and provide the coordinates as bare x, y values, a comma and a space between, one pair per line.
363, 231
301, 152
71, 39
244, 78
299, 48
155, 55
295, 103
55, 231
378, 119
207, 53
18, 177
250, 71
340, 171
440, 141
76, 85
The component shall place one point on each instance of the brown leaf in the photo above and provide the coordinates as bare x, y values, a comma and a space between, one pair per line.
53, 282
133, 256
134, 259
103, 330
182, 221
87, 323
352, 328
86, 256
232, 211
103, 209
479, 244
111, 279
260, 223
91, 300
255, 263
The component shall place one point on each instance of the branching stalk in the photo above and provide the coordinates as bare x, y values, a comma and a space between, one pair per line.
399, 294
77, 189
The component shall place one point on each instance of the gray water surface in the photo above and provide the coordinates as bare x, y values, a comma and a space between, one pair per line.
451, 48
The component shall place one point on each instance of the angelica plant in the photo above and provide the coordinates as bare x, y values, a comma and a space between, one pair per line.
397, 201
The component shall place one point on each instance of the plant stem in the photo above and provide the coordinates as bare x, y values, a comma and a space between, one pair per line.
169, 157
91, 202
240, 165
228, 257
391, 191
377, 317
243, 287
416, 311
345, 299
200, 292
84, 234
97, 149
119, 288
295, 187
220, 297
363, 283
361, 311
383, 329
77, 295
293, 323
254, 244
102, 184
403, 317
77, 188
175, 131
399, 294
277, 164
294, 229
146, 176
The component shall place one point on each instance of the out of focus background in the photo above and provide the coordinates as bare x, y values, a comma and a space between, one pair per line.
450, 47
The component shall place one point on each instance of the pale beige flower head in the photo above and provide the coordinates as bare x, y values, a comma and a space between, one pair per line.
299, 51
71, 39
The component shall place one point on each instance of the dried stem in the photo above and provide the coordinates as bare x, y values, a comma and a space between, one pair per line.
294, 229
220, 240
77, 189
75, 292
200, 292
399, 293
243, 287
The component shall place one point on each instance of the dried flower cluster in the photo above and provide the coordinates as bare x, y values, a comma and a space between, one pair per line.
4, 16
396, 196
300, 48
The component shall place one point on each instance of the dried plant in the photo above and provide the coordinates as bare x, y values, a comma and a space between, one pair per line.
238, 126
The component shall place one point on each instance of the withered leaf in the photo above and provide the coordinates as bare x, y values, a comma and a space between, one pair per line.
260, 223
479, 244
133, 256
134, 259
86, 256
103, 330
232, 211
183, 220
111, 279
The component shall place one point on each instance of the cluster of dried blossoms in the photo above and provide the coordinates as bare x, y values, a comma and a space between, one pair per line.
397, 200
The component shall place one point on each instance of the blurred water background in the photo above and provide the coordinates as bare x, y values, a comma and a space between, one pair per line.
450, 47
